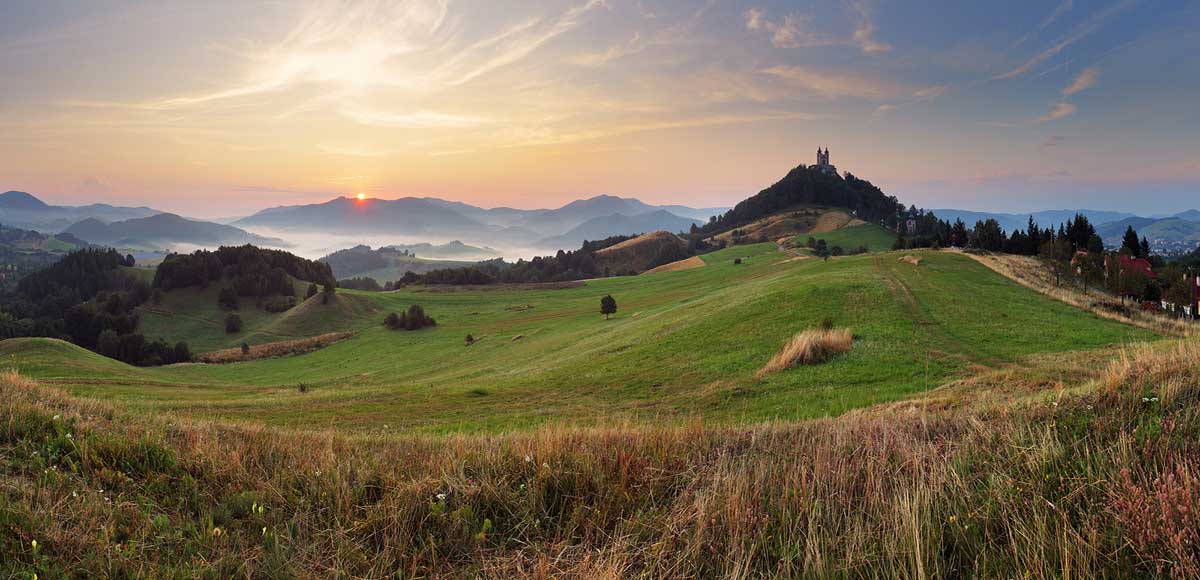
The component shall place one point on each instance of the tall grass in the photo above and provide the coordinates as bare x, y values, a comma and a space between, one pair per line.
809, 347
1055, 487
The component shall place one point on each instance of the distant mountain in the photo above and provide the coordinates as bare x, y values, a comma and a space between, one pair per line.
408, 216
1191, 215
1170, 229
614, 224
164, 230
1046, 218
386, 264
443, 219
454, 250
26, 211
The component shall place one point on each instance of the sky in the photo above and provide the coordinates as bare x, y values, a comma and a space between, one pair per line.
219, 108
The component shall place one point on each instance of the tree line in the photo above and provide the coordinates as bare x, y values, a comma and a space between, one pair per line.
88, 298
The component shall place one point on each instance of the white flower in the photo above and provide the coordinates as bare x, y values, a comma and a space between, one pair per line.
441, 497
528, 459
56, 417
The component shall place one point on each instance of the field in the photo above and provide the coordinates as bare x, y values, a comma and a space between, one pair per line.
684, 345
875, 238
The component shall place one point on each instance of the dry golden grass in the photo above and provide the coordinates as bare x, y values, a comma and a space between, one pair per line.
911, 260
684, 264
810, 347
1057, 488
274, 349
1032, 273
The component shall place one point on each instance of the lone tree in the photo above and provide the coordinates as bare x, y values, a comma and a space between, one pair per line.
245, 348
608, 306
312, 290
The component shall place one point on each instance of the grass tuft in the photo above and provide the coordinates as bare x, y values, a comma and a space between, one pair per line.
810, 347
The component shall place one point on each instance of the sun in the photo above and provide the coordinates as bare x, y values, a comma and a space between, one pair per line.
361, 196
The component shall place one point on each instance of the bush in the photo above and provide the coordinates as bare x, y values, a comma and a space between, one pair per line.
233, 323
312, 291
737, 260
279, 304
245, 348
227, 299
412, 319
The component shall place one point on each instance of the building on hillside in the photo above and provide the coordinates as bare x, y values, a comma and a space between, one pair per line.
1130, 264
823, 165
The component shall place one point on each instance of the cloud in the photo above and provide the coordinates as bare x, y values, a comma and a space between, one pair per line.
411, 120
1081, 31
796, 31
1059, 111
864, 31
836, 84
1053, 141
918, 96
1085, 80
1059, 10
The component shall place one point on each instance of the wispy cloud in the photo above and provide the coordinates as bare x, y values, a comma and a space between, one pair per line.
1061, 9
864, 31
798, 31
1089, 26
834, 84
918, 96
1053, 141
1085, 80
1059, 111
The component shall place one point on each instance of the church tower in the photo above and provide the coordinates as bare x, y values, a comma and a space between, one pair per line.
823, 165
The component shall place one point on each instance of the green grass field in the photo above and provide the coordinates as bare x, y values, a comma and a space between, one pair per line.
683, 344
875, 238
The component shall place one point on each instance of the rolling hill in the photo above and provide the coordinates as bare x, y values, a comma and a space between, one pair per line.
618, 224
164, 230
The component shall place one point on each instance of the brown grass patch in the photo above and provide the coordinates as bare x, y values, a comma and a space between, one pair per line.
810, 347
274, 349
684, 264
911, 260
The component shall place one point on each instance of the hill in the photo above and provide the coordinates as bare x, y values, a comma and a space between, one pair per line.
23, 252
618, 224
780, 226
1173, 229
810, 186
453, 250
683, 344
407, 216
24, 210
642, 253
386, 264
1019, 221
164, 230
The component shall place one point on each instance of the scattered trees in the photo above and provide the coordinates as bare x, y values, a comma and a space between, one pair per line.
227, 299
412, 319
608, 306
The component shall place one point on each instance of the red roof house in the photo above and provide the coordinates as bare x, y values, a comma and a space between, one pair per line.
1131, 264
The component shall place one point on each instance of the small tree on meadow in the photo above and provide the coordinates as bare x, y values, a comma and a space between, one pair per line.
233, 323
245, 348
312, 290
227, 299
608, 306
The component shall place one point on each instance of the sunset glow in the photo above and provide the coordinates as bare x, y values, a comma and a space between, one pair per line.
361, 196
207, 108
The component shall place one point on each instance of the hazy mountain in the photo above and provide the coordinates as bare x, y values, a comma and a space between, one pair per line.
454, 250
1045, 218
408, 216
23, 210
1191, 215
598, 228
164, 230
443, 219
1172, 229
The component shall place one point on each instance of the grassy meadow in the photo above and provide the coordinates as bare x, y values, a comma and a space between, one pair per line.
683, 345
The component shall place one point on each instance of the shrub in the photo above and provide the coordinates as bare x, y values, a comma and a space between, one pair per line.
233, 323
393, 321
810, 347
279, 303
412, 319
245, 348
608, 306
227, 299
312, 291
737, 260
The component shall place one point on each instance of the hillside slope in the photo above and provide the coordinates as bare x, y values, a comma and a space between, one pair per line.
682, 344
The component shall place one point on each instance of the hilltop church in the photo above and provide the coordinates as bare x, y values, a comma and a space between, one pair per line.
823, 165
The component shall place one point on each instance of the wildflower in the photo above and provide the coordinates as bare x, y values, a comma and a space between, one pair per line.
56, 417
441, 497
1145, 399
528, 459
264, 530
216, 532
953, 519
34, 544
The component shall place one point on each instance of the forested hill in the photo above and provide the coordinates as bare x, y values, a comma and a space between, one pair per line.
256, 271
809, 186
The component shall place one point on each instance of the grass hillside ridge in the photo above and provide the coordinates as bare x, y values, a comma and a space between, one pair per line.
1048, 487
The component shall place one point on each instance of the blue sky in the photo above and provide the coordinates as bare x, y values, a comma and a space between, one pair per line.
220, 108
